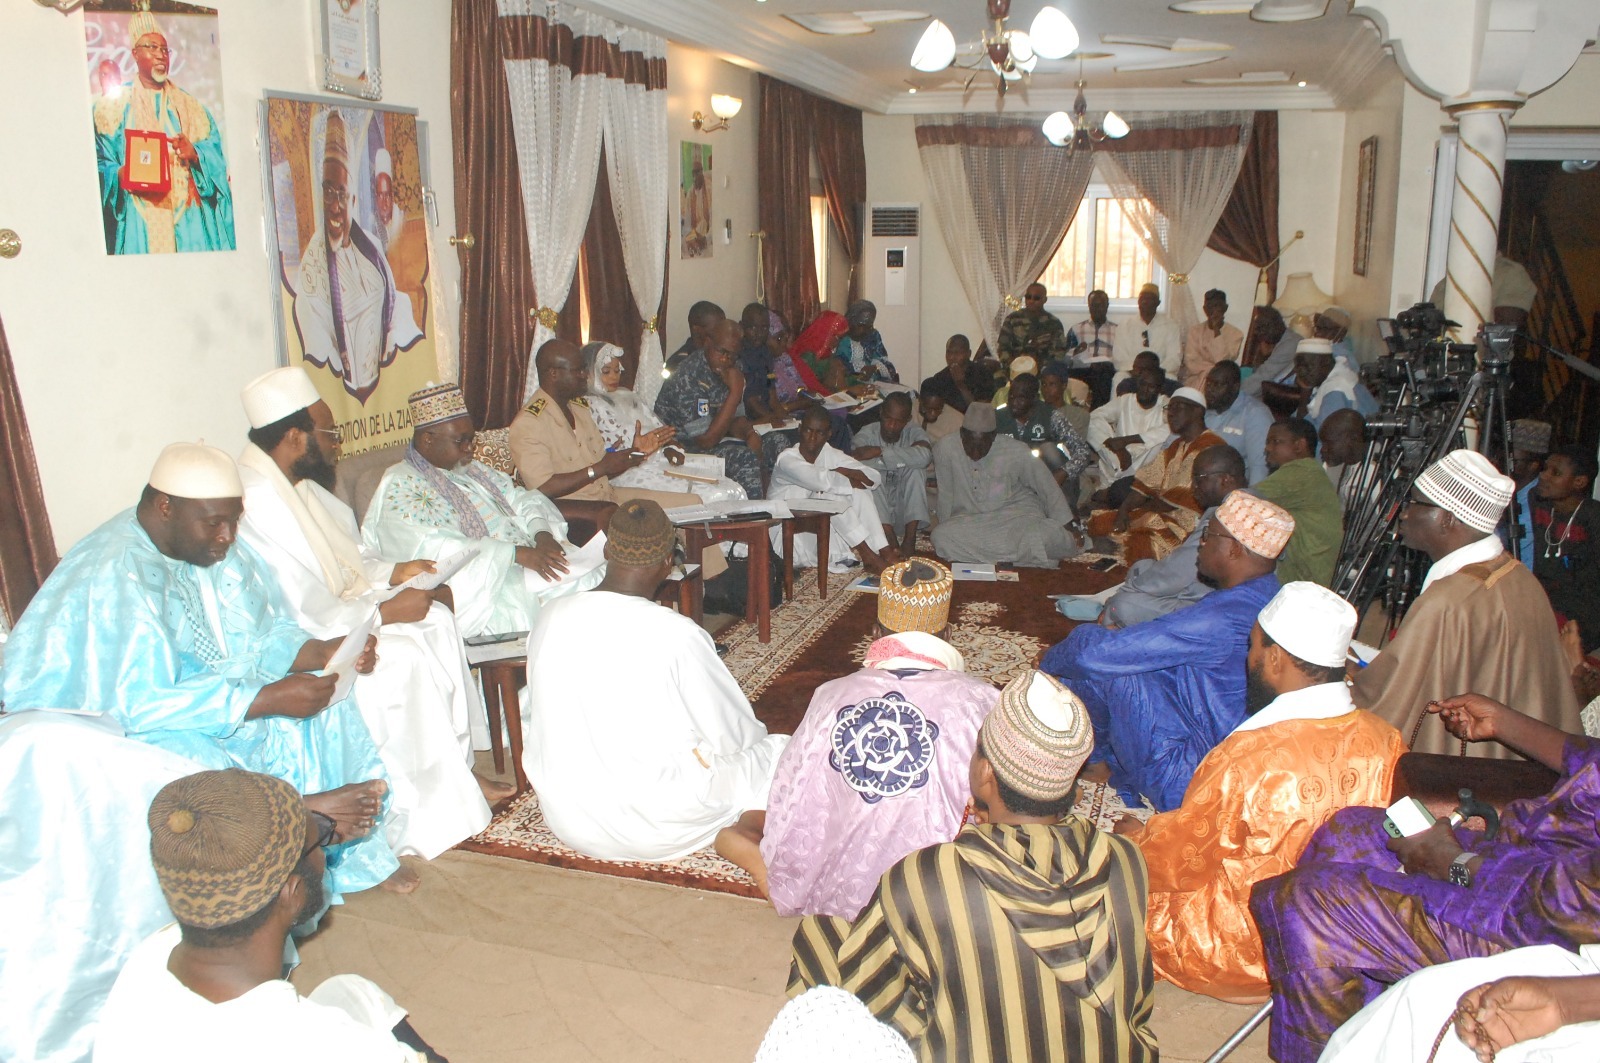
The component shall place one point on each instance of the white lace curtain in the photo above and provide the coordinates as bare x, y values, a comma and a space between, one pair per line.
1174, 173
639, 162
561, 114
1004, 197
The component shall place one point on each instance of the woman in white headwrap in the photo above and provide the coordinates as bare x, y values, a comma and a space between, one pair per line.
616, 410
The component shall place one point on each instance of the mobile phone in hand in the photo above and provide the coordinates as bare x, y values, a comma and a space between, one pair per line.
1406, 817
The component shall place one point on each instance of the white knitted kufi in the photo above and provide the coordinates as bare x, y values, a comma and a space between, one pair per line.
1311, 622
1466, 485
276, 394
194, 470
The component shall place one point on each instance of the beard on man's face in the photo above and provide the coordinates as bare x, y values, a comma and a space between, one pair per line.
1258, 693
313, 465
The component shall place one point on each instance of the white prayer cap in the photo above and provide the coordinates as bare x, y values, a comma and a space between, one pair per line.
276, 394
1189, 395
1311, 622
1464, 484
383, 163
194, 470
1314, 346
1023, 364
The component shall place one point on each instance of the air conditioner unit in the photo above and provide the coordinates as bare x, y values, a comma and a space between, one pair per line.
890, 274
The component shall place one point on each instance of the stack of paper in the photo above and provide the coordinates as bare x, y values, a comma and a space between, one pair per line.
497, 647
342, 664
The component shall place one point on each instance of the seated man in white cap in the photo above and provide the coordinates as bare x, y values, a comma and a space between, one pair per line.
1327, 385
1148, 330
997, 502
239, 858
1482, 622
658, 754
439, 501
420, 699
878, 767
1303, 752
1164, 692
979, 948
1160, 510
161, 621
816, 469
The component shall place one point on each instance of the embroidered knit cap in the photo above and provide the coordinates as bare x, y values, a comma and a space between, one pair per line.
436, 404
224, 842
914, 595
1189, 395
1314, 346
194, 470
276, 394
1311, 622
1464, 484
142, 24
979, 418
640, 534
334, 144
1260, 526
1531, 436
1037, 737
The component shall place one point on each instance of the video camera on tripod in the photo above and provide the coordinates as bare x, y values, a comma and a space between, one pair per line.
1423, 365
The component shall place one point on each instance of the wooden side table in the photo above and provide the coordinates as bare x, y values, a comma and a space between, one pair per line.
501, 681
817, 523
754, 534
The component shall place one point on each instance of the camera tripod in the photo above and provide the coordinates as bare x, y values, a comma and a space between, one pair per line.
1374, 563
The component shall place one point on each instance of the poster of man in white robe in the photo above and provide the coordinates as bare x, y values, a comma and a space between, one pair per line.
353, 260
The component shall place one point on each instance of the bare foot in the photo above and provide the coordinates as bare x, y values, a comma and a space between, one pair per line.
354, 809
404, 880
741, 844
1095, 773
493, 789
908, 545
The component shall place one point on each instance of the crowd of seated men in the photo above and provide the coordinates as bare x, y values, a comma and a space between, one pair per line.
919, 819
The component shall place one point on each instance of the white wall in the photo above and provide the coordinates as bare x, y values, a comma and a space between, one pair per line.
1377, 114
728, 277
1310, 146
118, 356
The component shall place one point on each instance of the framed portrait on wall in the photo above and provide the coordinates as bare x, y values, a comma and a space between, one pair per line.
155, 85
348, 234
1366, 189
694, 200
350, 48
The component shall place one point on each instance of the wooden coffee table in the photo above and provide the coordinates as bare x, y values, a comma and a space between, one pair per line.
754, 534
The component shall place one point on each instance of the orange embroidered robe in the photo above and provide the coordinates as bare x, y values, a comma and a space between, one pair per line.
1168, 476
1250, 809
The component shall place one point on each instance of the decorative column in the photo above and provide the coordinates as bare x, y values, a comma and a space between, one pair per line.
1475, 210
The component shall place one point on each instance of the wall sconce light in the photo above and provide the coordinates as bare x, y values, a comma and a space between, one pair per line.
724, 107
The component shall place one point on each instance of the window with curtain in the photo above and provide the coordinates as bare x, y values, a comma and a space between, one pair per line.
819, 242
1103, 249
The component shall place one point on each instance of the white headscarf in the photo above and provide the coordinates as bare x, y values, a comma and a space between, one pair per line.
628, 406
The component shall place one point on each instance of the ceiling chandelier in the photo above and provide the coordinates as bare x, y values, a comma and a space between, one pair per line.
1075, 132
1011, 54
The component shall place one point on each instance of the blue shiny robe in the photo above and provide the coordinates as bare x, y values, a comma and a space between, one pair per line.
119, 629
1163, 693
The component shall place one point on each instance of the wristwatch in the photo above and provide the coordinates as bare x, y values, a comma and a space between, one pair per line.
590, 471
1460, 873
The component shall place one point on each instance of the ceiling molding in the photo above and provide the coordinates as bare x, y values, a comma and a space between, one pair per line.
748, 43
1357, 62
1044, 101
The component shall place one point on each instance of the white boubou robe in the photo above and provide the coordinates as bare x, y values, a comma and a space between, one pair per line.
795, 479
640, 744
420, 702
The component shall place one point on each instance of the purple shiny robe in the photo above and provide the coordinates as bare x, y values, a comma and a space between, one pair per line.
877, 770
1346, 922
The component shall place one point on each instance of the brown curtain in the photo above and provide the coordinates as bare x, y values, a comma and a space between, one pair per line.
496, 279
27, 546
842, 158
783, 182
1248, 227
613, 314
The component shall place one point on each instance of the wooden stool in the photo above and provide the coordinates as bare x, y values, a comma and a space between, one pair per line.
501, 681
817, 523
753, 533
686, 589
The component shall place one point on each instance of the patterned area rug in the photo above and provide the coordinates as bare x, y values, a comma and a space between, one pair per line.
1001, 630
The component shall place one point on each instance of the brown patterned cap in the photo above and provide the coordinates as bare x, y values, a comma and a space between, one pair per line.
914, 595
639, 534
436, 404
224, 842
1038, 737
1261, 527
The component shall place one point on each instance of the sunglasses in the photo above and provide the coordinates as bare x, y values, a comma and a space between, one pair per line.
327, 832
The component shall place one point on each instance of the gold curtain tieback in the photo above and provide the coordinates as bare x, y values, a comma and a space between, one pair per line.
546, 317
1178, 278
1011, 303
650, 326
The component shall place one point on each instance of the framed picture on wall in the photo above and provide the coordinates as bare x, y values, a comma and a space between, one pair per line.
350, 48
694, 199
1366, 185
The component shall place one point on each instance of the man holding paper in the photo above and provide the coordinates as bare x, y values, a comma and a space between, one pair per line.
439, 501
159, 620
419, 702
